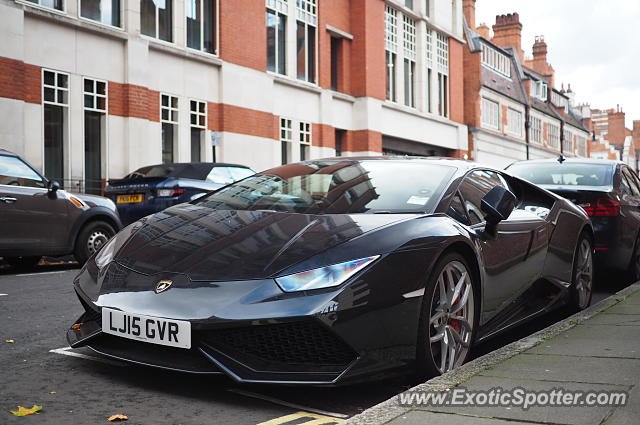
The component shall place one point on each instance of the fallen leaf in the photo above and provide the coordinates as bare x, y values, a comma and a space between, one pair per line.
10, 341
22, 411
52, 392
77, 325
118, 418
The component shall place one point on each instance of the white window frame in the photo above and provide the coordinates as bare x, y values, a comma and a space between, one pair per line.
38, 5
217, 29
57, 89
171, 109
305, 137
65, 142
490, 113
156, 37
409, 31
442, 60
197, 113
553, 131
286, 136
515, 122
567, 142
495, 60
95, 95
540, 90
581, 145
307, 14
535, 132
280, 7
391, 50
93, 21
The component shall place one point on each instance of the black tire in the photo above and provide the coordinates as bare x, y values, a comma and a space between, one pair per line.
23, 262
429, 361
91, 238
581, 290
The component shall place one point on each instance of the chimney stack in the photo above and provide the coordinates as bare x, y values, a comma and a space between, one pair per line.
507, 32
469, 9
540, 49
483, 31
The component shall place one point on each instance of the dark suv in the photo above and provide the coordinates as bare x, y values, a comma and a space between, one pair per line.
38, 218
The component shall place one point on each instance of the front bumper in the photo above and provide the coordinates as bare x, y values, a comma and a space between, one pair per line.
253, 332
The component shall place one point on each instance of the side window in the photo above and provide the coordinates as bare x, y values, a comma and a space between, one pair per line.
13, 171
631, 181
220, 175
474, 187
624, 183
457, 210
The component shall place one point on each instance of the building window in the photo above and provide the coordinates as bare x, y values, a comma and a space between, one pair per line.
339, 134
95, 112
391, 47
554, 135
286, 140
567, 142
536, 130
198, 123
409, 40
169, 121
490, 116
429, 62
408, 4
305, 140
581, 146
156, 19
55, 87
104, 11
495, 60
306, 40
201, 25
515, 123
277, 36
52, 4
442, 55
336, 53
427, 8
540, 90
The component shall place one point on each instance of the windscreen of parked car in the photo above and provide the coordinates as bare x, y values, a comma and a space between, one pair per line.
194, 171
226, 175
338, 187
565, 174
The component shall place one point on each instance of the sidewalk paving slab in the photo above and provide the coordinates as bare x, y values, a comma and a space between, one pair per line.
597, 349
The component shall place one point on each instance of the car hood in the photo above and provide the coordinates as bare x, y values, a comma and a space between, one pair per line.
96, 201
220, 245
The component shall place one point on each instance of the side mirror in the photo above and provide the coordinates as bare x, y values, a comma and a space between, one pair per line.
497, 205
53, 186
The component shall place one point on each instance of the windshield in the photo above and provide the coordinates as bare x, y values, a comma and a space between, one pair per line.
337, 187
566, 174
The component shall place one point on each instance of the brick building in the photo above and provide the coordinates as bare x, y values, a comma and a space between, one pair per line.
91, 90
613, 137
512, 109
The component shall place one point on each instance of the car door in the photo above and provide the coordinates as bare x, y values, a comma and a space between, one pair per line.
514, 256
629, 208
33, 221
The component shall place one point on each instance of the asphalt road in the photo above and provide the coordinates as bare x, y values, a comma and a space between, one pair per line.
78, 387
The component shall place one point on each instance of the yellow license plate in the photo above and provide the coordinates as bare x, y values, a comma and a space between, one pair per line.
129, 199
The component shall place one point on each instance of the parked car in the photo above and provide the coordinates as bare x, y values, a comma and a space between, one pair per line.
334, 271
38, 218
153, 188
609, 191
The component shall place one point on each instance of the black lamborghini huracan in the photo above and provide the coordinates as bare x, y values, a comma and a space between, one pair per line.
335, 271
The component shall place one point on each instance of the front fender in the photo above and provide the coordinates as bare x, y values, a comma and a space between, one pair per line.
93, 213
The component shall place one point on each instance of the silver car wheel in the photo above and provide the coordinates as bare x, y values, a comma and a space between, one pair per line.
96, 240
451, 317
584, 274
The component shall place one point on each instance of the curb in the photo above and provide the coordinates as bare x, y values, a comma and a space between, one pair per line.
390, 409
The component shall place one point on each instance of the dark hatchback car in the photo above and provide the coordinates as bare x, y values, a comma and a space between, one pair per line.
334, 271
37, 218
609, 192
153, 188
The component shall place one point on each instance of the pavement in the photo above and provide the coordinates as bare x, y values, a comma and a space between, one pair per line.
596, 350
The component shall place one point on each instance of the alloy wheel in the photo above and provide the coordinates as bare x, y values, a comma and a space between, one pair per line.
451, 317
584, 274
96, 240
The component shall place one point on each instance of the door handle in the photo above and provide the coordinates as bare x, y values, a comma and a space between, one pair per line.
8, 200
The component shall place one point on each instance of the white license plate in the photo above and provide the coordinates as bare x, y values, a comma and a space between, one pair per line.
174, 333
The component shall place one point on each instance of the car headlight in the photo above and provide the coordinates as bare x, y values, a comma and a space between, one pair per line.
105, 255
323, 277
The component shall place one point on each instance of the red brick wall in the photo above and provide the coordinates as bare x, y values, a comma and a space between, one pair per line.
20, 81
335, 13
471, 86
247, 121
243, 34
367, 59
456, 80
616, 128
128, 100
324, 136
363, 140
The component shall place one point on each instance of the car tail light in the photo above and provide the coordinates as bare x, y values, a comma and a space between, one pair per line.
168, 193
603, 207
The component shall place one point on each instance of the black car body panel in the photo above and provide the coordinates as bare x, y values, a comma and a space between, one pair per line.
615, 234
223, 265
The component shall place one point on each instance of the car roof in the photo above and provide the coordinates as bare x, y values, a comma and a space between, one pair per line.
458, 163
571, 161
6, 152
198, 164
